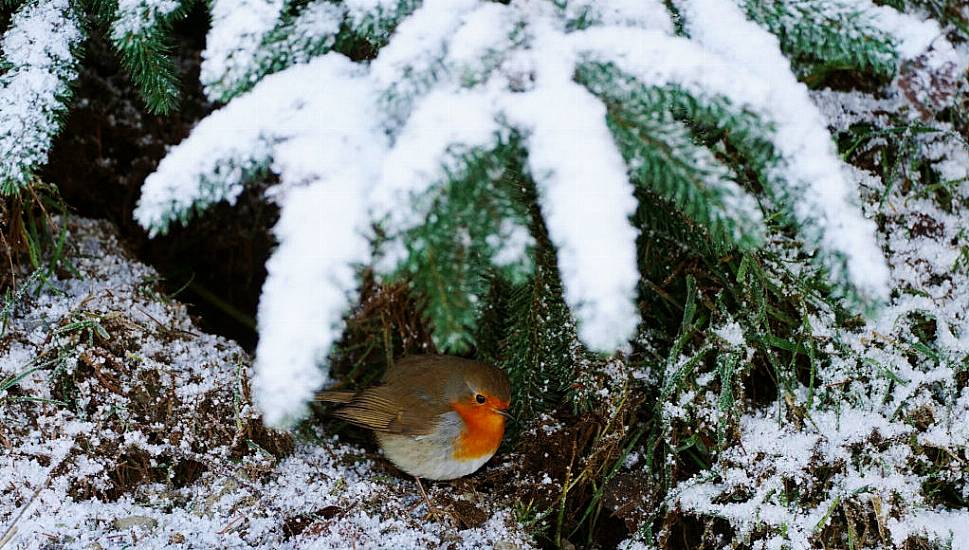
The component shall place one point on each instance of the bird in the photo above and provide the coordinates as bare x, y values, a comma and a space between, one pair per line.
436, 417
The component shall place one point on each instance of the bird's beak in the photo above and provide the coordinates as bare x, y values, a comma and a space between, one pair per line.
504, 413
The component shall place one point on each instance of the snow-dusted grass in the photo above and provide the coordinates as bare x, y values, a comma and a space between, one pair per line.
871, 449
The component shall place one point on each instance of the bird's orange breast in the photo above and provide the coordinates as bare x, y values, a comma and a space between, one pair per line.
482, 433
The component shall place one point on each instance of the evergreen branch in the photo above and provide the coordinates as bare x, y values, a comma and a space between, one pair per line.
474, 225
233, 42
537, 339
377, 22
540, 349
403, 72
222, 180
827, 35
663, 156
140, 31
582, 14
297, 36
289, 34
40, 53
811, 183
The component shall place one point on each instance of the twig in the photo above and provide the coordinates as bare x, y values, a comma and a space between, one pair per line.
12, 529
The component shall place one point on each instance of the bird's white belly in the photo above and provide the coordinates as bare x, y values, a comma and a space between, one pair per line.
431, 456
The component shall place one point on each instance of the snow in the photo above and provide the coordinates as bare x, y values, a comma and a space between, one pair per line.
511, 243
409, 64
732, 333
310, 277
136, 17
39, 47
273, 122
942, 525
480, 42
443, 126
323, 220
913, 36
233, 42
647, 14
585, 195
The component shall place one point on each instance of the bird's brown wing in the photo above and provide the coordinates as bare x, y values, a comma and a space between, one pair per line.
335, 396
377, 409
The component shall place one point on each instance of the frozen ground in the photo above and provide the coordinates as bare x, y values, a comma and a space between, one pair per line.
127, 427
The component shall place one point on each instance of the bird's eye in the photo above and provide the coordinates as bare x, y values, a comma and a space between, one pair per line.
480, 399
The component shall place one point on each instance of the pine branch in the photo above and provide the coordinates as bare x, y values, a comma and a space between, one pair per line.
40, 57
827, 35
376, 24
140, 30
474, 227
664, 156
289, 34
410, 65
296, 37
539, 349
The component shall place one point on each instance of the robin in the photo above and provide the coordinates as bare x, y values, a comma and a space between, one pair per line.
435, 416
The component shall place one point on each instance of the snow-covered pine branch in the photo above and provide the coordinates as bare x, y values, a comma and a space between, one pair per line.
813, 35
38, 65
815, 190
253, 38
649, 125
591, 99
309, 138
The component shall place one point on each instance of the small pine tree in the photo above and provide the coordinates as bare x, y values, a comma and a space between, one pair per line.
406, 135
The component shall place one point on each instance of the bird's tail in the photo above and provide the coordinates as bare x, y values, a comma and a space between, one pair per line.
335, 396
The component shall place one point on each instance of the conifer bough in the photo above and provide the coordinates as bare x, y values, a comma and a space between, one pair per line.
590, 99
40, 59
